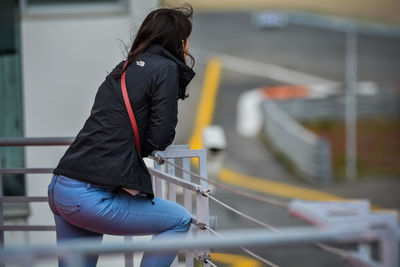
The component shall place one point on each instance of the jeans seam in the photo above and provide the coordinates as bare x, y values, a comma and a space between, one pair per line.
150, 213
51, 195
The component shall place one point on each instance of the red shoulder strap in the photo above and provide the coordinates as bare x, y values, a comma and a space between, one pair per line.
130, 111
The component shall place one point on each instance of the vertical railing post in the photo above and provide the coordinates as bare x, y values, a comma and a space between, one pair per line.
203, 206
171, 186
364, 250
157, 182
128, 255
388, 247
76, 259
187, 194
187, 202
202, 201
172, 196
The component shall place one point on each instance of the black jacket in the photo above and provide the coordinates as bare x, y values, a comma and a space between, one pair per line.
104, 151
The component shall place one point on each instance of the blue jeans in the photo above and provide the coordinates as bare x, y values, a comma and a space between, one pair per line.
85, 210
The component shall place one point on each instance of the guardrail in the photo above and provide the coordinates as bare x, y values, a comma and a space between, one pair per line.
75, 252
309, 153
177, 152
383, 104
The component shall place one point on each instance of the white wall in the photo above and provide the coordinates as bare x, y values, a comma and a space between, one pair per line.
64, 60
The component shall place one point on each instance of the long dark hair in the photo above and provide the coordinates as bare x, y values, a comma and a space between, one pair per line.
166, 27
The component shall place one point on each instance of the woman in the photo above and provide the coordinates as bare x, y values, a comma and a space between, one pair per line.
101, 185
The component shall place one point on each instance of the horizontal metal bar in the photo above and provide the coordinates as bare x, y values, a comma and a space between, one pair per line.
185, 153
25, 170
36, 141
23, 199
55, 141
295, 236
42, 227
173, 179
27, 228
165, 176
177, 147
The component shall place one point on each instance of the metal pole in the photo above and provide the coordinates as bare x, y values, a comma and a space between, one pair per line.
129, 255
172, 197
187, 200
202, 203
76, 259
388, 247
1, 205
171, 186
351, 103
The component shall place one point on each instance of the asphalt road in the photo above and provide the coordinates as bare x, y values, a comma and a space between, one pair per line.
309, 50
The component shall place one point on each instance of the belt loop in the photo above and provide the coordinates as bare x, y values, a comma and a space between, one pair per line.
88, 185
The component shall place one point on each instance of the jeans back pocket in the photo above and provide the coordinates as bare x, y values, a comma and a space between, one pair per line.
67, 209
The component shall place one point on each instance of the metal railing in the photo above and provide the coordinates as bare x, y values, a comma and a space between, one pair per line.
327, 215
159, 176
75, 252
385, 103
310, 154
336, 222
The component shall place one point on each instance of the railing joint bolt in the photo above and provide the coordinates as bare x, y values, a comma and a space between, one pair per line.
204, 257
204, 192
201, 225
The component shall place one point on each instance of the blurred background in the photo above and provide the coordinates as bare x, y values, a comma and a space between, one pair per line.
293, 99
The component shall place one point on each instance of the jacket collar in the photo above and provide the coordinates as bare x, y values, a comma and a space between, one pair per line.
186, 73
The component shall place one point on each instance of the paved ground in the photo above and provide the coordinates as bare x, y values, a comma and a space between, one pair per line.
313, 51
249, 156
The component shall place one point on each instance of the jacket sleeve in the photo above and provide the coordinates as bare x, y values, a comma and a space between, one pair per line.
163, 115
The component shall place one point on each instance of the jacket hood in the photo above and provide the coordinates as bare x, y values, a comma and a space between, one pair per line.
186, 73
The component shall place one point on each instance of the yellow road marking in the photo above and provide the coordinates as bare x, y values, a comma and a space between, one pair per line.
234, 260
272, 187
284, 190
205, 109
